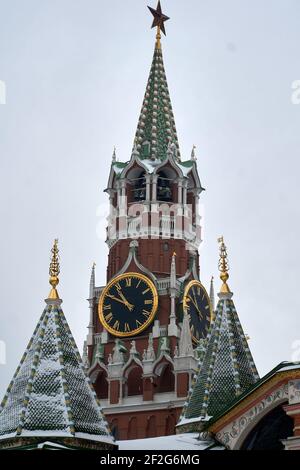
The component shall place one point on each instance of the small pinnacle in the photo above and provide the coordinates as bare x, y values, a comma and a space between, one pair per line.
193, 154
223, 266
54, 271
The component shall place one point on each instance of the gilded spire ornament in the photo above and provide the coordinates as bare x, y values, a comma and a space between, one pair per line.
54, 271
158, 22
223, 267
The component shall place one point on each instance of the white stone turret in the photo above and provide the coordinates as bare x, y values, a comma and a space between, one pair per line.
149, 358
116, 361
114, 156
184, 355
212, 294
91, 306
172, 327
185, 342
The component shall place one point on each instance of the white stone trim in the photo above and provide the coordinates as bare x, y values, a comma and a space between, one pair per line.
234, 434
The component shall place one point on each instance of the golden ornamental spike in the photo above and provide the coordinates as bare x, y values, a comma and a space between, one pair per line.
158, 38
54, 271
223, 267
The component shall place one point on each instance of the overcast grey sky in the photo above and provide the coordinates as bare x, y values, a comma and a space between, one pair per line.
75, 73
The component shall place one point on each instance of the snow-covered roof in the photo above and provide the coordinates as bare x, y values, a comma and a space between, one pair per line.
50, 394
189, 441
226, 367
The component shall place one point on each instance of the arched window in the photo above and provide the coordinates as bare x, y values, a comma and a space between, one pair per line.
132, 428
165, 378
101, 384
114, 429
164, 188
139, 187
151, 427
134, 385
170, 425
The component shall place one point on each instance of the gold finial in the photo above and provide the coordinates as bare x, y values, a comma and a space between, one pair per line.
158, 38
223, 267
54, 271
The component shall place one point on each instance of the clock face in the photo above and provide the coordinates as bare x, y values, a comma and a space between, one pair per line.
128, 304
197, 305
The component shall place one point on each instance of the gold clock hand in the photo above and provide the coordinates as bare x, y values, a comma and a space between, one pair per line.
128, 305
196, 306
192, 300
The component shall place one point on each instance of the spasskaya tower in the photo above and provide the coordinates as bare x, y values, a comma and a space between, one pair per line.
149, 322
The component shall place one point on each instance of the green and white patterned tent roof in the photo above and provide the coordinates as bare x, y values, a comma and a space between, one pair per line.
50, 395
226, 366
156, 126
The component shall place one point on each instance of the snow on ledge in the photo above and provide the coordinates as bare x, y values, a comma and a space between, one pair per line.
188, 441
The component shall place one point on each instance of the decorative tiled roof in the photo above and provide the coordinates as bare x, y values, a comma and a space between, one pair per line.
156, 127
226, 367
50, 393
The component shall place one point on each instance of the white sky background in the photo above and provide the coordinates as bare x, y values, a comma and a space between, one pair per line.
75, 73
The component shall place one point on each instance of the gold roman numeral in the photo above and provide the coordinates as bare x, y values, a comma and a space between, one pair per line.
138, 284
128, 281
107, 307
148, 302
127, 328
116, 325
108, 318
146, 313
138, 323
145, 291
118, 286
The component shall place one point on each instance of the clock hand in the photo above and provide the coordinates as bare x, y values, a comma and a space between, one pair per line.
192, 300
128, 305
125, 300
195, 300
196, 306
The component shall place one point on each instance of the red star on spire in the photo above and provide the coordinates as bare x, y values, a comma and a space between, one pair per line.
159, 18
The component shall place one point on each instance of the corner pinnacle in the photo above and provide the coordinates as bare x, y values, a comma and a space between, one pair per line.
54, 271
223, 267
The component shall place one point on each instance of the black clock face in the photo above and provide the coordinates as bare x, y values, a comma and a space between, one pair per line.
128, 304
197, 305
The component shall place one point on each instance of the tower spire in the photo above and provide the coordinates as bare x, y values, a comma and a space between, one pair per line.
156, 127
223, 267
54, 271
